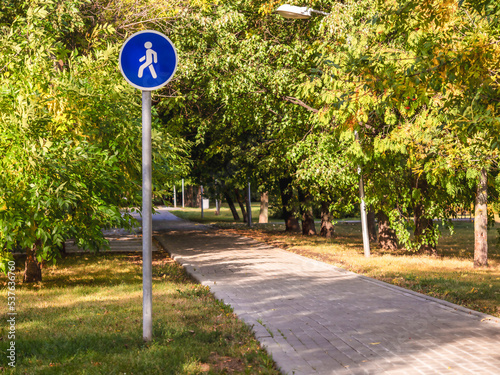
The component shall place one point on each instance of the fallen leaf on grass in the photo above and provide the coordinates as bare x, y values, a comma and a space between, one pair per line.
204, 367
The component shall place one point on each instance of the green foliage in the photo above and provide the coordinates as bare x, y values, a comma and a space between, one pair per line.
326, 167
258, 98
70, 146
235, 96
418, 81
263, 98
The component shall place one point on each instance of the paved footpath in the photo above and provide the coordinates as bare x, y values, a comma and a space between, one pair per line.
315, 318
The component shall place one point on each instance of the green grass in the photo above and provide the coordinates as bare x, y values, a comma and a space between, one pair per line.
86, 318
209, 217
450, 276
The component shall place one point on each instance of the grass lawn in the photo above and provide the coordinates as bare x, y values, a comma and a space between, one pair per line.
86, 318
450, 276
209, 217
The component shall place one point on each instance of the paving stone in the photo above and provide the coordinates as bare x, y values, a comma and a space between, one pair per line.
315, 318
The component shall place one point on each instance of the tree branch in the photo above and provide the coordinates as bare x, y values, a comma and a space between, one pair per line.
296, 101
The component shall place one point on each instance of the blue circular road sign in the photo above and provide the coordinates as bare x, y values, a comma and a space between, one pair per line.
148, 60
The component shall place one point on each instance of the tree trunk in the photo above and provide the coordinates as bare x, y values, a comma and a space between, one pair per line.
198, 197
189, 194
291, 222
248, 204
327, 229
372, 227
230, 203
308, 226
423, 225
32, 268
264, 207
386, 235
241, 202
481, 222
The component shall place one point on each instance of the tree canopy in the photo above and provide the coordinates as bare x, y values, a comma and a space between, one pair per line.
255, 98
268, 98
70, 146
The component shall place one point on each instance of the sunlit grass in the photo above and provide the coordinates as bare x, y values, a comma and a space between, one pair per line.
209, 216
86, 318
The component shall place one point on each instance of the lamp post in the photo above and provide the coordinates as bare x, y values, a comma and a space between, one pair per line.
364, 219
201, 199
175, 197
295, 12
182, 193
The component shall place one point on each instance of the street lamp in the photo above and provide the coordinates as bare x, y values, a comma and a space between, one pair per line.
295, 12
362, 208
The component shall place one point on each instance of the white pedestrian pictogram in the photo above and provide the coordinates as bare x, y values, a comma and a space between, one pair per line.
150, 57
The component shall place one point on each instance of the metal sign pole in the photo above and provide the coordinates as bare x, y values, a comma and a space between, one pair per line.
148, 61
147, 220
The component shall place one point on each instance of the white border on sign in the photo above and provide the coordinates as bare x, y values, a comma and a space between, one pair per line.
148, 88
